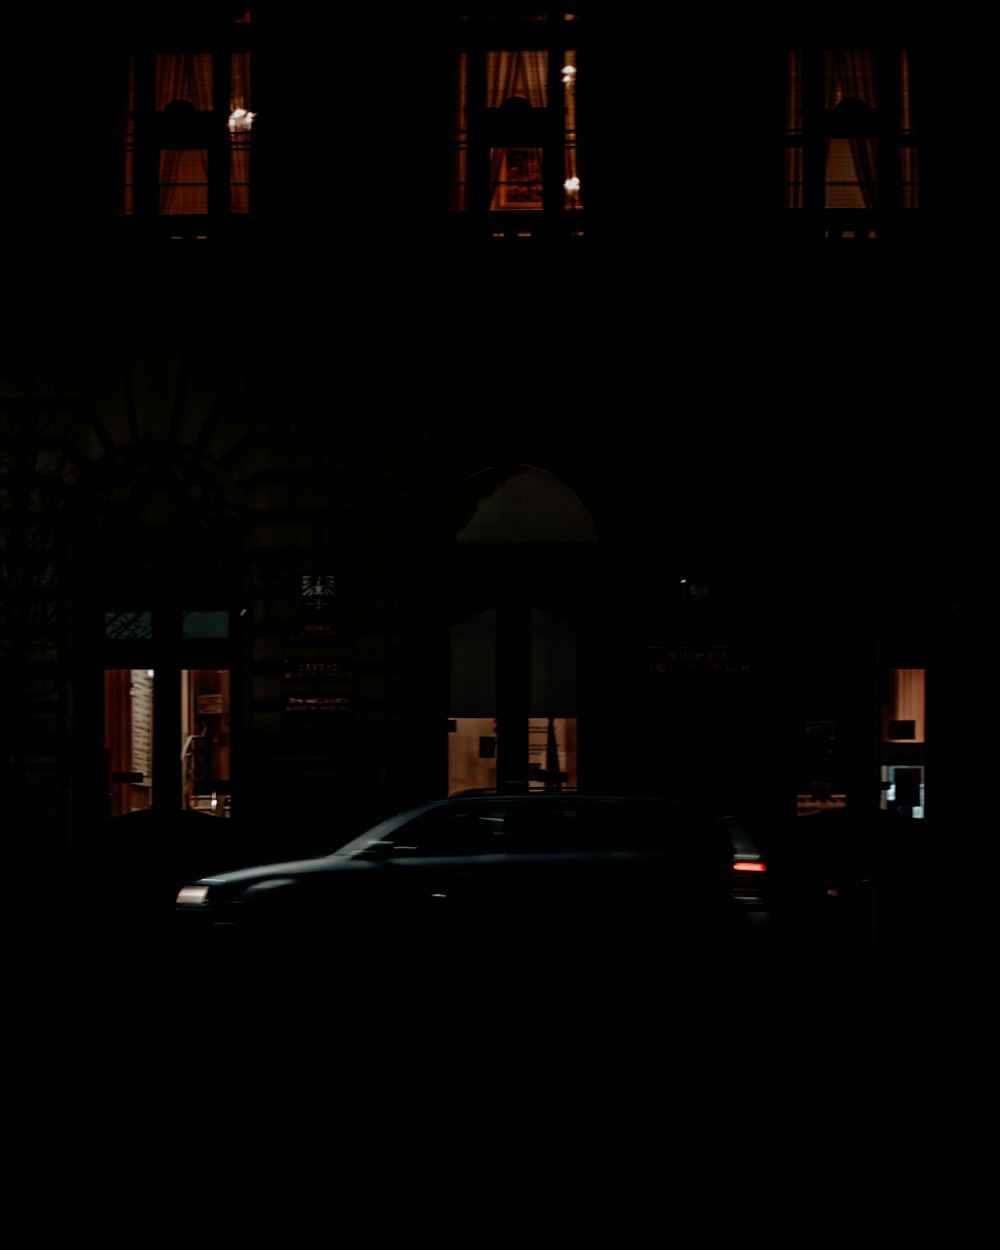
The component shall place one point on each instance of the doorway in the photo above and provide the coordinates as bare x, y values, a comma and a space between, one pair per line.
134, 719
168, 682
512, 708
517, 573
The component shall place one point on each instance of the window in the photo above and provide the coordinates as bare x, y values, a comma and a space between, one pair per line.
188, 127
167, 704
850, 142
515, 158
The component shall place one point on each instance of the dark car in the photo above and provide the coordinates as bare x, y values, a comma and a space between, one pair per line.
492, 884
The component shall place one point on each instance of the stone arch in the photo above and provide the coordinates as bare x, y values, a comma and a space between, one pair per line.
155, 507
513, 503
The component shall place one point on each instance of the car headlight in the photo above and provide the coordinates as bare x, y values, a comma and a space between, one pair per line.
192, 896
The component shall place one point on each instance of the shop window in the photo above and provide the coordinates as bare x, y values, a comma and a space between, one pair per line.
515, 158
131, 716
546, 711
904, 738
189, 129
167, 710
850, 139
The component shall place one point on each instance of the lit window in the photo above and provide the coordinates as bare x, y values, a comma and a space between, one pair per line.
850, 142
188, 129
515, 137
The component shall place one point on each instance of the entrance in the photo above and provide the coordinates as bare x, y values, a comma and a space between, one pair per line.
515, 573
131, 697
167, 699
512, 722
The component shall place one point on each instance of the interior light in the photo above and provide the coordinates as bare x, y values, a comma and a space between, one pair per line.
241, 119
572, 185
568, 75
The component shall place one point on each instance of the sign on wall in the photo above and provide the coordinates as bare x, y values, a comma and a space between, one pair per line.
687, 663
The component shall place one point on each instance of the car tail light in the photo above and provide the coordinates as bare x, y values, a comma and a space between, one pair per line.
748, 877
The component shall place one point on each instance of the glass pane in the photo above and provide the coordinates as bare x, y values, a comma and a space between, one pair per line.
472, 743
793, 102
850, 173
904, 738
241, 119
850, 77
128, 739
821, 761
553, 664
472, 754
516, 77
205, 740
908, 177
552, 753
184, 181
118, 625
212, 623
187, 77
905, 110
473, 676
793, 177
515, 178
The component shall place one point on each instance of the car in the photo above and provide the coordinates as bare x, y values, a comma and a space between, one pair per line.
495, 884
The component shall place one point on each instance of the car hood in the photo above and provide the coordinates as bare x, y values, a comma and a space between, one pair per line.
289, 868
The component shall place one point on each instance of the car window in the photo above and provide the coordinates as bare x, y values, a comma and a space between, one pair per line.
649, 827
444, 831
542, 826
546, 827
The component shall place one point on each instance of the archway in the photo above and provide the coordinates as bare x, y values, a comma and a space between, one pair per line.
515, 555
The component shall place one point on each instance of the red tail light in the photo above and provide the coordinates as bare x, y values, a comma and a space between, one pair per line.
745, 885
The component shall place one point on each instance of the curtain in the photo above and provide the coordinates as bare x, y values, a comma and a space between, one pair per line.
516, 174
184, 181
516, 74
850, 161
239, 138
184, 77
908, 699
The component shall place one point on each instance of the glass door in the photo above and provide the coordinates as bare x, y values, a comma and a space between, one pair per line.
512, 722
167, 687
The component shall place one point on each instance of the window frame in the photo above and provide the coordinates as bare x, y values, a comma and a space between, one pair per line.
151, 130
884, 133
484, 134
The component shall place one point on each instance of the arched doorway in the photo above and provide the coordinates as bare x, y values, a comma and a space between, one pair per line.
159, 595
513, 701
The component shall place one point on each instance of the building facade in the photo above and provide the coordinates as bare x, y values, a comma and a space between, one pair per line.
502, 397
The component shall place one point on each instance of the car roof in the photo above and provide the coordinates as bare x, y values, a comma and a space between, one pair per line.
560, 796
